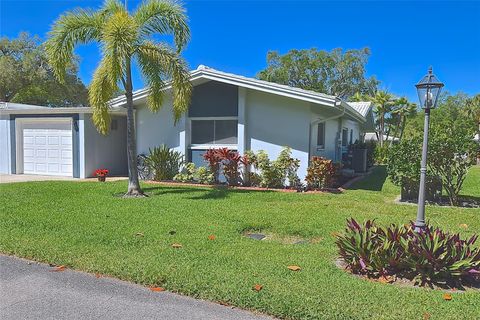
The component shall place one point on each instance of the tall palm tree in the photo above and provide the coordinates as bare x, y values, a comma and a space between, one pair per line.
403, 109
382, 101
124, 38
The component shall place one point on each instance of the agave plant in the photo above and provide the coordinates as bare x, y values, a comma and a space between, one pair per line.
164, 163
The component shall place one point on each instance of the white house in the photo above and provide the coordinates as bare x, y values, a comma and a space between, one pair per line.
240, 113
226, 110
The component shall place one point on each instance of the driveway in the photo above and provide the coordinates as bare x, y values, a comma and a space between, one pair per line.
29, 290
9, 178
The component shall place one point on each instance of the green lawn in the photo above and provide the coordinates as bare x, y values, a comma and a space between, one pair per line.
86, 226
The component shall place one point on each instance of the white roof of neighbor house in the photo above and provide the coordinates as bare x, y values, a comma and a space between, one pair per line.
19, 108
207, 73
362, 107
372, 136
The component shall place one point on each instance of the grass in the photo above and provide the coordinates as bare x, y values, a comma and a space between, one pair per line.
86, 226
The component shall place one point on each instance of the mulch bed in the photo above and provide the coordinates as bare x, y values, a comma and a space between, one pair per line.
223, 186
409, 283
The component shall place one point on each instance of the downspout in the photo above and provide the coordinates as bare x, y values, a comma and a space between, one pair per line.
337, 101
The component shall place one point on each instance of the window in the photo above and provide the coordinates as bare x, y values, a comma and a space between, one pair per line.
344, 137
321, 135
214, 132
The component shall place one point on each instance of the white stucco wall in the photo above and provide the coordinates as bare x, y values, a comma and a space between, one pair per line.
99, 151
273, 122
155, 129
5, 148
329, 150
352, 125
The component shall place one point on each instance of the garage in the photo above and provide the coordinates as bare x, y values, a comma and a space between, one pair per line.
47, 148
38, 140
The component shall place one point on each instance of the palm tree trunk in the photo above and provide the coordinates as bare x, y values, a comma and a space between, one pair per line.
133, 182
402, 128
382, 126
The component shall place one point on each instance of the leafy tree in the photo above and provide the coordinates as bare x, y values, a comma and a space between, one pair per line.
338, 72
26, 76
402, 110
125, 38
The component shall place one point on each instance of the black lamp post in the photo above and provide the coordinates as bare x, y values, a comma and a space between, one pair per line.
428, 91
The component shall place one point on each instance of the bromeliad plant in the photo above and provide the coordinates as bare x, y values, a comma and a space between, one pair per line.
428, 256
164, 162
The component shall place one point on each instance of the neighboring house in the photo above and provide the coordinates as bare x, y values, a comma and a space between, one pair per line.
226, 110
242, 114
372, 136
59, 141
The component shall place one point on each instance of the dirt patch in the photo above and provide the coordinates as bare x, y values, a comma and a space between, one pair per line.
283, 239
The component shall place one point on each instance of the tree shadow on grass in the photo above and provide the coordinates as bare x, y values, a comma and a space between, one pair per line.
372, 182
205, 193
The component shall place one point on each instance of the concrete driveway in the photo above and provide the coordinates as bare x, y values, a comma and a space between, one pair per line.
29, 290
9, 178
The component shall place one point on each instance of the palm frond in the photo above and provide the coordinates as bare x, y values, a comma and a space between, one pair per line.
75, 27
101, 90
112, 6
164, 17
119, 39
158, 62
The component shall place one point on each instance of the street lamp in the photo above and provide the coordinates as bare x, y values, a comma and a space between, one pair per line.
428, 89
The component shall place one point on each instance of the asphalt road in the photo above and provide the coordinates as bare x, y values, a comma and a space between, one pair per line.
29, 290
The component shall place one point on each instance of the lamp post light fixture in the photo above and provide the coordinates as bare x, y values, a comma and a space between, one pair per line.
428, 89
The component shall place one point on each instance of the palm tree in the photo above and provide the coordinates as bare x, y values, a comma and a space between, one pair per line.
124, 38
404, 109
382, 101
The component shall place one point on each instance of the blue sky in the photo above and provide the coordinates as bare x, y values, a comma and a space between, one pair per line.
405, 37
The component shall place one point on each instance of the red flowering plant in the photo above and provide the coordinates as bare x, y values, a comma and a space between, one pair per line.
213, 160
230, 161
101, 173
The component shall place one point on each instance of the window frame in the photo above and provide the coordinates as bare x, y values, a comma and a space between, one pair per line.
321, 146
197, 146
344, 141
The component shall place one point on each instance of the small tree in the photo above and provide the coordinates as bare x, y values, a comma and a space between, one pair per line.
453, 152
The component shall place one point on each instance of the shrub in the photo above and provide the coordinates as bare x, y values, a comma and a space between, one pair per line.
320, 173
273, 174
230, 161
430, 255
381, 154
164, 163
203, 175
403, 169
186, 174
190, 173
249, 161
371, 146
100, 173
211, 157
452, 152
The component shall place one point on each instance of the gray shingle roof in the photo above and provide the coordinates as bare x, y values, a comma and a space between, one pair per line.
362, 107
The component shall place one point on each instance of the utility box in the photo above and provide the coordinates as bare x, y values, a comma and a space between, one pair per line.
359, 160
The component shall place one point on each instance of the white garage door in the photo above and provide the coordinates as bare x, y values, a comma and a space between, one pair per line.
47, 149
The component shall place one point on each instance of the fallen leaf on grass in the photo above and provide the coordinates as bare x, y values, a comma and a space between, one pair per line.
211, 237
426, 316
257, 287
97, 275
157, 289
294, 268
464, 226
139, 234
335, 234
57, 269
176, 245
386, 279
447, 296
